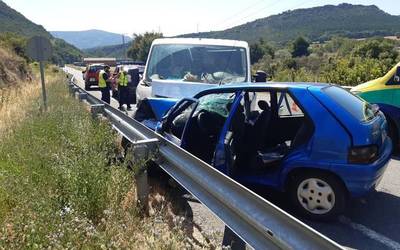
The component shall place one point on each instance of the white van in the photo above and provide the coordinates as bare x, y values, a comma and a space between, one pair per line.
182, 67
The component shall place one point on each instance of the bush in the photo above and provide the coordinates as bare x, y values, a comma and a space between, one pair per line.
300, 47
353, 71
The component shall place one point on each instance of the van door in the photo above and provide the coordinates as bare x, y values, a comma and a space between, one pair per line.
394, 82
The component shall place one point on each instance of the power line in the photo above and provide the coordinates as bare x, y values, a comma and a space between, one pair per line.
253, 13
240, 12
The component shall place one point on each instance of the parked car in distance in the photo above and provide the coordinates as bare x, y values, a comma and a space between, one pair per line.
385, 92
91, 75
317, 142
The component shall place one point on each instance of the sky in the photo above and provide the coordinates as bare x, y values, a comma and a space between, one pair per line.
171, 17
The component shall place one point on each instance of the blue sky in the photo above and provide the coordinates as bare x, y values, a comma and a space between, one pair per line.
171, 17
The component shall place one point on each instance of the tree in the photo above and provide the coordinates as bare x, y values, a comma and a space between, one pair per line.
377, 49
141, 45
300, 47
259, 50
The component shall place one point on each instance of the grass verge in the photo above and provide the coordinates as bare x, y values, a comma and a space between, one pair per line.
58, 188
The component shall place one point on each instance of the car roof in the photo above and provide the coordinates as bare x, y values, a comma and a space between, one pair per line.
268, 85
263, 86
201, 41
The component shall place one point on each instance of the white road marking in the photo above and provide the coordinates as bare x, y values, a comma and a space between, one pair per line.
371, 233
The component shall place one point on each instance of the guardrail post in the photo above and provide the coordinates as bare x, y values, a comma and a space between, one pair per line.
74, 89
96, 109
232, 240
82, 96
141, 150
71, 87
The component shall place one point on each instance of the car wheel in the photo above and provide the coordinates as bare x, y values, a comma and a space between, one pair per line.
318, 196
87, 86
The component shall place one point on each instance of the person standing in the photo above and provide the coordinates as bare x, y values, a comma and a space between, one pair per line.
104, 85
123, 90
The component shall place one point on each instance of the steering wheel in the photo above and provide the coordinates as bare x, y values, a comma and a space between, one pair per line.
203, 118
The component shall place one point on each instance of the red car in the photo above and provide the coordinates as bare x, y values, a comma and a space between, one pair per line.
91, 75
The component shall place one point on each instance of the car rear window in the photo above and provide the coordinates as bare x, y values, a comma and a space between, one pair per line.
95, 69
356, 106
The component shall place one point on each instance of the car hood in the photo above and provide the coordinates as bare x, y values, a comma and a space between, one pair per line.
160, 106
178, 89
364, 87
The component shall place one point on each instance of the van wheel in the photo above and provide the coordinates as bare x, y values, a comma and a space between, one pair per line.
317, 196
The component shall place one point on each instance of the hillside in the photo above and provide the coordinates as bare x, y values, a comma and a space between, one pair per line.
318, 23
108, 51
13, 68
90, 38
14, 22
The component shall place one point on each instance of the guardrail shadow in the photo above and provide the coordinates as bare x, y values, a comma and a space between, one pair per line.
378, 212
170, 200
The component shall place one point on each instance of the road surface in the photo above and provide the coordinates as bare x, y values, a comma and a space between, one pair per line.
369, 223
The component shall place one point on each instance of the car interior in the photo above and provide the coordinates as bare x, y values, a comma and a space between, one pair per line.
267, 132
266, 126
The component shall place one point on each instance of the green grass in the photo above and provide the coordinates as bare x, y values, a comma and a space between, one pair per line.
58, 188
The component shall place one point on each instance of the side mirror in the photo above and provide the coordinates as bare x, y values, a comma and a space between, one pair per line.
397, 76
260, 76
83, 71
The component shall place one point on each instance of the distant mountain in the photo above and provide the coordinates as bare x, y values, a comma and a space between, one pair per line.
117, 51
14, 22
318, 23
90, 38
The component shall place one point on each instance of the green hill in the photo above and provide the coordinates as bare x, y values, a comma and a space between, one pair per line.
108, 51
14, 22
318, 23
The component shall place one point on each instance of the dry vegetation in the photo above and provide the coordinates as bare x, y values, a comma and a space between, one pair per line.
61, 185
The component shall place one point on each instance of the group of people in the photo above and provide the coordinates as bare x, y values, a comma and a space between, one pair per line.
122, 82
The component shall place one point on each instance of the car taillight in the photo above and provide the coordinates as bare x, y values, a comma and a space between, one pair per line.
363, 154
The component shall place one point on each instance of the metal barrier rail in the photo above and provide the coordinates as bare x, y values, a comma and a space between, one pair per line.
255, 220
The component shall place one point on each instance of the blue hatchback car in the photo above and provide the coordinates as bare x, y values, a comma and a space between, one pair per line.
317, 142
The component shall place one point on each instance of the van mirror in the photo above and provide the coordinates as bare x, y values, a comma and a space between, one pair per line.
260, 76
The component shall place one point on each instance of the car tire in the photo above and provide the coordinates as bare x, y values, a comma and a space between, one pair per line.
87, 86
317, 195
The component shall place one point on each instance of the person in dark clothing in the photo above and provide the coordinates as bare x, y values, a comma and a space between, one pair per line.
104, 84
123, 90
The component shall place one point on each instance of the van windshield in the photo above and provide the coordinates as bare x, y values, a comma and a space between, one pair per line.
197, 63
356, 106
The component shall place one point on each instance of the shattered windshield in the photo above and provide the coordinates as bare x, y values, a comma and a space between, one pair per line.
197, 63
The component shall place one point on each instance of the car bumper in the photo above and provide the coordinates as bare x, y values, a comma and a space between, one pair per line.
361, 179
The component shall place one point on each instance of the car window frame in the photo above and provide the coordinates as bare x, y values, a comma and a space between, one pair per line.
391, 81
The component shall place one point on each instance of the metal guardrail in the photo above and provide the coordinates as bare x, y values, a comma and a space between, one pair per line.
255, 220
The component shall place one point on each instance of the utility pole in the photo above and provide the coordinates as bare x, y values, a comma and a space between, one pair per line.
123, 45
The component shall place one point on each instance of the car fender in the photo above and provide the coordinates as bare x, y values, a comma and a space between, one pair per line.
153, 108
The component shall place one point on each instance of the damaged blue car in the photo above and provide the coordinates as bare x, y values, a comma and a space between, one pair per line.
318, 143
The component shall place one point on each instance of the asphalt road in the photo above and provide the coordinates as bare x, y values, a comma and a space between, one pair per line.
369, 223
